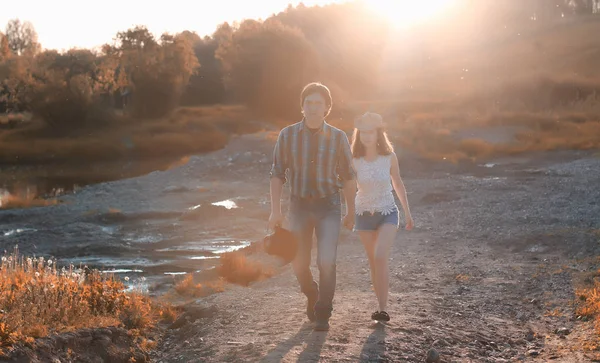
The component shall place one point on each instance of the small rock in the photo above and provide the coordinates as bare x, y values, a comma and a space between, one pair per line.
530, 336
533, 353
563, 331
432, 356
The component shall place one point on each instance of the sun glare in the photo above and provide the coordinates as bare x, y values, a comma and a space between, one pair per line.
404, 13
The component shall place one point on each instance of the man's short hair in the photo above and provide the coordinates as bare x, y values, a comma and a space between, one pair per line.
317, 87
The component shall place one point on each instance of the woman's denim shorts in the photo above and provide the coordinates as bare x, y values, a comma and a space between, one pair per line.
371, 222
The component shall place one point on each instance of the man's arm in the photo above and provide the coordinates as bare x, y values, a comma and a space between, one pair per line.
347, 174
349, 194
276, 190
277, 180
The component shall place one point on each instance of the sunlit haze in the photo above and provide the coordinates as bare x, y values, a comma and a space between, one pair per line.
63, 24
403, 13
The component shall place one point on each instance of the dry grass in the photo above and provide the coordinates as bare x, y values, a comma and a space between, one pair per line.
188, 131
187, 287
544, 79
11, 120
589, 303
237, 269
436, 136
10, 201
38, 298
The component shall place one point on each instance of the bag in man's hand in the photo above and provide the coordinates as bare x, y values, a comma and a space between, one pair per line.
281, 243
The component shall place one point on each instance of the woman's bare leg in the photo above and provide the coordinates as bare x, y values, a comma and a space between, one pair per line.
385, 238
368, 239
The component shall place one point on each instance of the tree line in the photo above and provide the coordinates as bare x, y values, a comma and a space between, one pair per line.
262, 64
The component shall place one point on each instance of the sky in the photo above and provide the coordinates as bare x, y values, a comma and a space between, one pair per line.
63, 24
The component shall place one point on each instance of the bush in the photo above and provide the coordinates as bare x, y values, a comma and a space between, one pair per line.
38, 298
64, 90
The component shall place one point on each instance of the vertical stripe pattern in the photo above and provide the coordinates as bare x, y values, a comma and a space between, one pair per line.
295, 151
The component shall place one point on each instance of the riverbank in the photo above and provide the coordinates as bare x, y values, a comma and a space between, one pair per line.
489, 273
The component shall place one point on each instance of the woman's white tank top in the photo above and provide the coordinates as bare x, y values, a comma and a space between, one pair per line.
374, 185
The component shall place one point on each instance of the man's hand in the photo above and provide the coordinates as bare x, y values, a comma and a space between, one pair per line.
275, 220
409, 223
348, 221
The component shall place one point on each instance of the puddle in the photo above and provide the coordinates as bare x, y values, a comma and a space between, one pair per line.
228, 203
174, 273
150, 238
487, 178
107, 263
203, 257
215, 246
108, 230
224, 249
121, 271
536, 248
17, 231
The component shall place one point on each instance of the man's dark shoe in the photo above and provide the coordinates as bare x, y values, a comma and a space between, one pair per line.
310, 304
322, 325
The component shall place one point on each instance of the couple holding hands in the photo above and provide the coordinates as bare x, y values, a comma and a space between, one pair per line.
321, 165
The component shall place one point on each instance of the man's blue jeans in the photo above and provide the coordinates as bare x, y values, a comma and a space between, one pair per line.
321, 216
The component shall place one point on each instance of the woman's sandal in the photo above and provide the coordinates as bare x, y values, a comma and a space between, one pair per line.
380, 316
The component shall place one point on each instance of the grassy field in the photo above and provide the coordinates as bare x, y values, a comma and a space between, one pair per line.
188, 131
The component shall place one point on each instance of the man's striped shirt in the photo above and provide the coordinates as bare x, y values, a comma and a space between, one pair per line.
318, 161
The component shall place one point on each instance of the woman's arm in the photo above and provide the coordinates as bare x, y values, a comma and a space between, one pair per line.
400, 189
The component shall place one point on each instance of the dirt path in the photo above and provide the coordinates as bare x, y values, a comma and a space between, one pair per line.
486, 276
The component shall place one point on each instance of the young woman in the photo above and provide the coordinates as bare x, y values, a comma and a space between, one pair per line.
377, 219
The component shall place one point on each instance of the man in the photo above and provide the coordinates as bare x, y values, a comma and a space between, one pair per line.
318, 159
